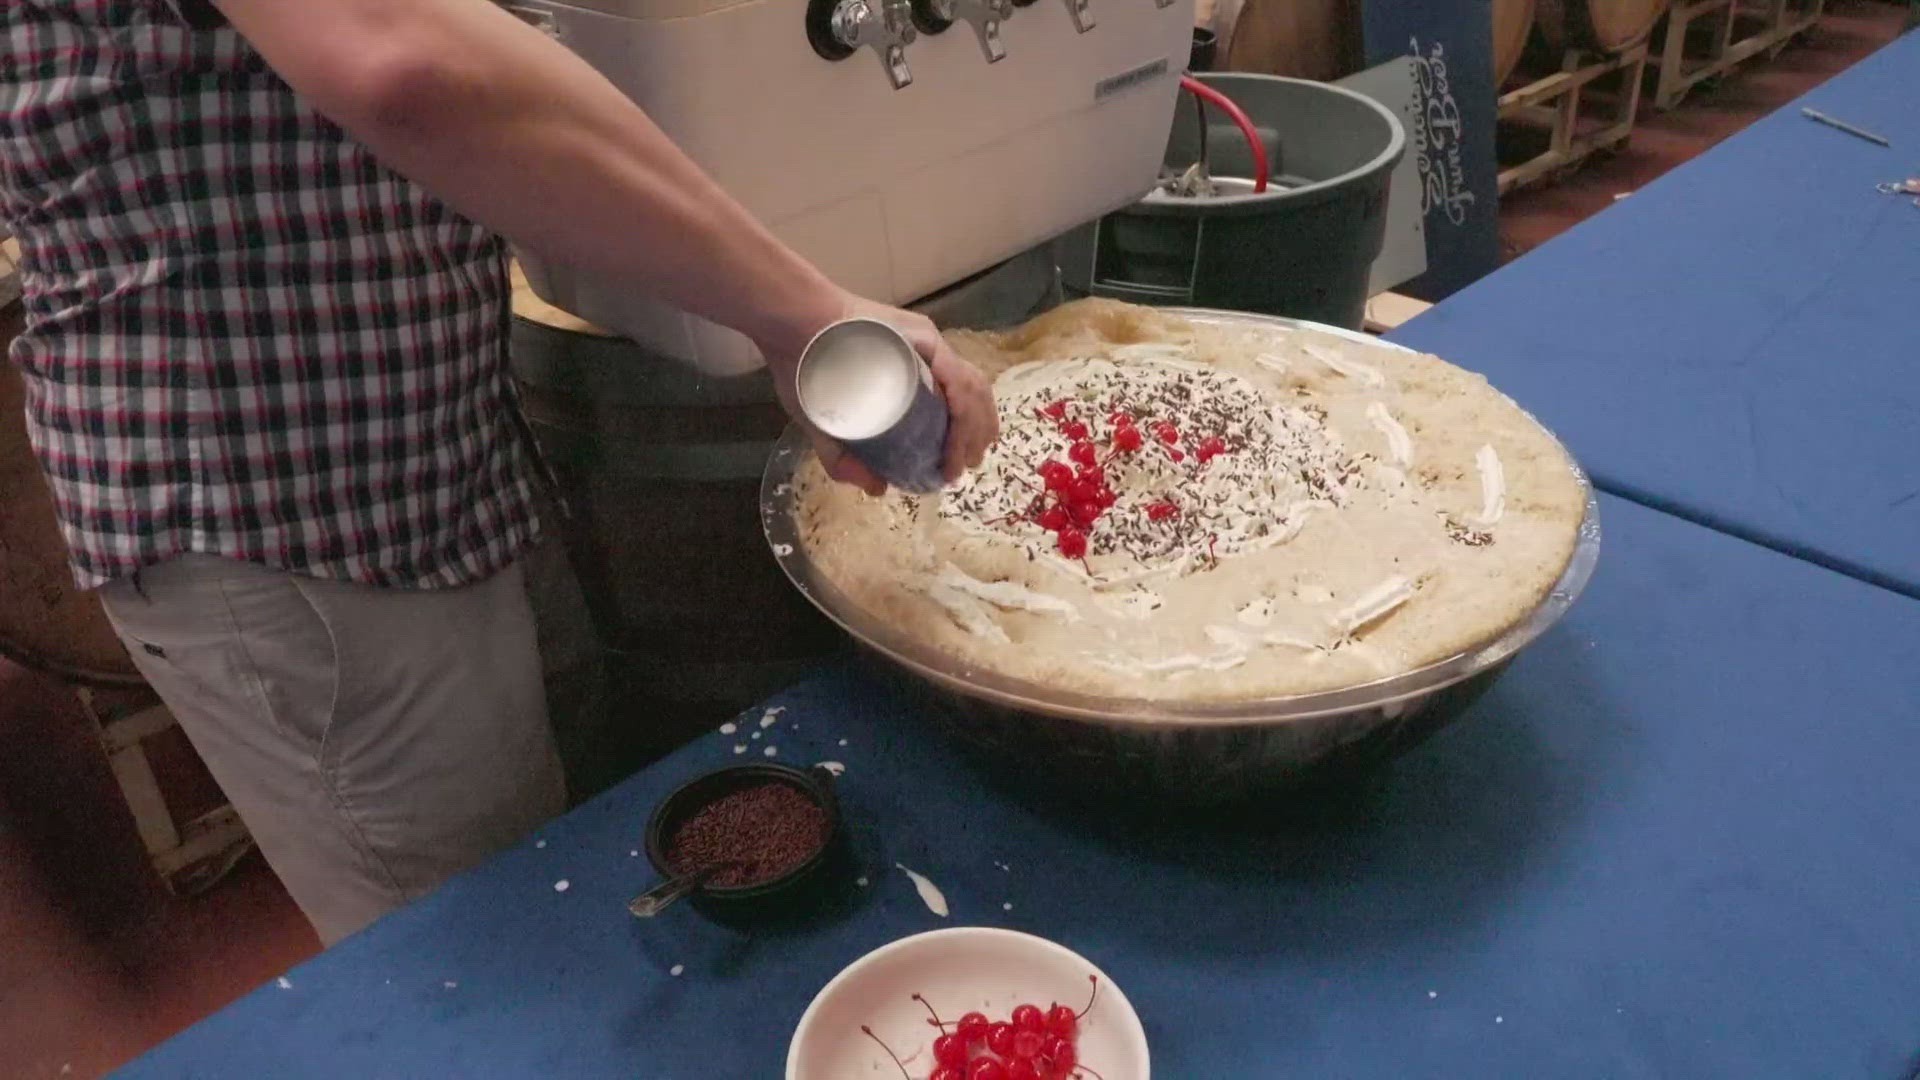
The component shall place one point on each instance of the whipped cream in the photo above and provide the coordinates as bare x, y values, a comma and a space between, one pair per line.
930, 893
1226, 639
970, 613
1009, 595
1365, 374
1281, 463
1493, 486
1399, 443
1373, 605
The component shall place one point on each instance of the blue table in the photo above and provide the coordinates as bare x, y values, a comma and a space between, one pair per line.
1680, 838
1739, 342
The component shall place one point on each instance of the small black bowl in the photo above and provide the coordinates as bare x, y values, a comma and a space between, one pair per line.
794, 894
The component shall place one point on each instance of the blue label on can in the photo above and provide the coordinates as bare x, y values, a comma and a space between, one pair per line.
909, 455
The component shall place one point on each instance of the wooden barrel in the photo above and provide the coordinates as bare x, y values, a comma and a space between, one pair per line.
46, 623
1604, 25
1512, 25
660, 467
1305, 39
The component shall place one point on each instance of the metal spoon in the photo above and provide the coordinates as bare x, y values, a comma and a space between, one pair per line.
661, 896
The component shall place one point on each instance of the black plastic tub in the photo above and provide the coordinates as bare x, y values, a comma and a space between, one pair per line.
1304, 249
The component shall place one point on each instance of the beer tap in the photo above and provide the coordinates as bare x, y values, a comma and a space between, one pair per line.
886, 26
986, 17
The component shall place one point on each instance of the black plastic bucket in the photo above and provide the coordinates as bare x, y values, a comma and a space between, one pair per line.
1303, 249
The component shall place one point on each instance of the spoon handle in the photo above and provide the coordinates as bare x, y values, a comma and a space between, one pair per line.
657, 899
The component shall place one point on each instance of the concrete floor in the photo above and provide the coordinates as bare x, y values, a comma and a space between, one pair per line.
98, 963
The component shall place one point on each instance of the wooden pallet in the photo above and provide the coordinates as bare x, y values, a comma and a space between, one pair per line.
1739, 30
1578, 124
189, 857
9, 269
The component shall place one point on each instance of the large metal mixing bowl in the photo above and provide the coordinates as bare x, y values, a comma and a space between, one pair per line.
1195, 754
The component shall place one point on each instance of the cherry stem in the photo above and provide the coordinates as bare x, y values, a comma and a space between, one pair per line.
936, 1021
1078, 1069
868, 1032
1095, 980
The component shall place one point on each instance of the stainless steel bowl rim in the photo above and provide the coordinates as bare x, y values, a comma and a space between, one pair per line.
778, 504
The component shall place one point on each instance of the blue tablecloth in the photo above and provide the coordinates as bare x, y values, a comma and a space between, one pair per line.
1739, 342
1680, 838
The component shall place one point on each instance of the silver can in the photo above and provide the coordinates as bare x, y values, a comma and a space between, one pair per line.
862, 383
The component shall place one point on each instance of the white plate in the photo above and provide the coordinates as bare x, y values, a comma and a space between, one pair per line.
965, 969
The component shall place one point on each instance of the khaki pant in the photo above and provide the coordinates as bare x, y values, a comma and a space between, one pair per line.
375, 741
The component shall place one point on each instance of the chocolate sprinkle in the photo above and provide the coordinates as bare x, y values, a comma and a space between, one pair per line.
766, 830
1277, 460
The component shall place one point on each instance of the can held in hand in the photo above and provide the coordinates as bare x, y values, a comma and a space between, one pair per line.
862, 383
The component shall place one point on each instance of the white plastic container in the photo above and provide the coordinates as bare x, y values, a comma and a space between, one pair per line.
895, 193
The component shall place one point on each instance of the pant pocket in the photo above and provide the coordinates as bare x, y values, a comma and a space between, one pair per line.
282, 651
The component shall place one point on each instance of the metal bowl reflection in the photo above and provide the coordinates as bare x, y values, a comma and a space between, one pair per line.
1195, 754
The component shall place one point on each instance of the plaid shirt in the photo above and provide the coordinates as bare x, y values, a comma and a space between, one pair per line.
244, 336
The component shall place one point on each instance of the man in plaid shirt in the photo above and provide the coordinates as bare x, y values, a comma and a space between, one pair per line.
266, 370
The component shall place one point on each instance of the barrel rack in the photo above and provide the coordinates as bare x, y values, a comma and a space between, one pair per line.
189, 856
1579, 118
1729, 33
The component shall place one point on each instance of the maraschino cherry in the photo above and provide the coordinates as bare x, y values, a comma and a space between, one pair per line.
1056, 475
987, 1069
1062, 1021
1035, 1045
950, 1050
1000, 1039
973, 1027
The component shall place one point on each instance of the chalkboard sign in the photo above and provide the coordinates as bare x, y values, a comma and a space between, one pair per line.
1451, 43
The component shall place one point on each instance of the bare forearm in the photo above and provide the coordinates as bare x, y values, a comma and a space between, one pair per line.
517, 133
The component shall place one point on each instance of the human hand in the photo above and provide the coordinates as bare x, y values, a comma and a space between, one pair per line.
973, 420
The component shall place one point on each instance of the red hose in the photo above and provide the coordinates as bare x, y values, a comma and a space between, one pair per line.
1225, 104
